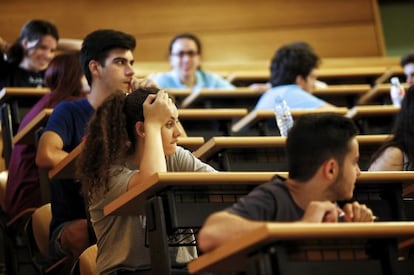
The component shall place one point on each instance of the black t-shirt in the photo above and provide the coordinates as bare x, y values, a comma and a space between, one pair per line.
270, 201
11, 75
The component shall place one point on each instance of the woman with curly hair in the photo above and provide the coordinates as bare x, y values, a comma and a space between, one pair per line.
130, 138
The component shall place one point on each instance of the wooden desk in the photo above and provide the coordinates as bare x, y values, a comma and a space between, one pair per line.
342, 95
174, 201
209, 122
237, 254
371, 119
259, 115
66, 168
222, 98
14, 103
10, 93
267, 153
331, 75
27, 134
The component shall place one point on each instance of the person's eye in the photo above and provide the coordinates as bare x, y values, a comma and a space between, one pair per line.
169, 124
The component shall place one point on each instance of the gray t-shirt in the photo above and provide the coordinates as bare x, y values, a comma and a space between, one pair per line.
270, 201
121, 239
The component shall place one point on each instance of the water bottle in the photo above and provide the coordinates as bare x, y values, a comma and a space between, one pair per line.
397, 92
283, 116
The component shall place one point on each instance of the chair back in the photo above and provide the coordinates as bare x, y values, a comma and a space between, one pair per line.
40, 225
87, 261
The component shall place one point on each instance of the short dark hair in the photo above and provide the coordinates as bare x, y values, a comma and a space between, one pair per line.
99, 43
186, 36
316, 138
290, 61
407, 59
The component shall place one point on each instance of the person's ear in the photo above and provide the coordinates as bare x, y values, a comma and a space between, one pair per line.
330, 169
94, 67
139, 129
300, 81
24, 43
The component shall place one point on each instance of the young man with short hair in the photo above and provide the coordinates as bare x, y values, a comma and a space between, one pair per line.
322, 153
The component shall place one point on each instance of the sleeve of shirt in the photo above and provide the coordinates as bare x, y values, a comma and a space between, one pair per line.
298, 99
184, 161
61, 122
118, 183
212, 80
259, 205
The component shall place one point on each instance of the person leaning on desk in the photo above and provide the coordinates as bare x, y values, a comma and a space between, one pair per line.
322, 153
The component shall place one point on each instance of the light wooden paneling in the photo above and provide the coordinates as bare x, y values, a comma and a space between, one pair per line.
233, 30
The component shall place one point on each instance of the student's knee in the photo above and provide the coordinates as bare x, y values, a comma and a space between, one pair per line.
75, 237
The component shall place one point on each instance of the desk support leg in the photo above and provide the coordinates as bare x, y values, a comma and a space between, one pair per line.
387, 252
157, 235
271, 261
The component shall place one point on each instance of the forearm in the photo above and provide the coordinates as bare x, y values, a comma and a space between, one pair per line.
221, 227
153, 158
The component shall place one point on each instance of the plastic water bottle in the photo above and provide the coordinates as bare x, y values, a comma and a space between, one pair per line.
397, 92
283, 116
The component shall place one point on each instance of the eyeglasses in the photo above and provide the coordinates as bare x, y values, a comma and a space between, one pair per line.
181, 54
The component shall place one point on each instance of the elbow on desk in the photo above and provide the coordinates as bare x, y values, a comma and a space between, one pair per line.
45, 160
205, 240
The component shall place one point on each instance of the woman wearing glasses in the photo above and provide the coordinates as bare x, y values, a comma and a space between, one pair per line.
185, 55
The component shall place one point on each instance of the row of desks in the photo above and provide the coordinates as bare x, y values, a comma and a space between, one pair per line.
174, 201
239, 119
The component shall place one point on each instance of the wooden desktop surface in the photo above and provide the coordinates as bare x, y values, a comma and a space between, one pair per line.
65, 168
257, 115
372, 110
241, 92
27, 134
132, 202
344, 72
215, 113
14, 92
350, 89
233, 255
215, 144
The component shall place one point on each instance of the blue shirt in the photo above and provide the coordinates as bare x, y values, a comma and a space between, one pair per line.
203, 80
296, 98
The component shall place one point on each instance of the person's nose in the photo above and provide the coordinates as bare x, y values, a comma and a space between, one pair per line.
130, 71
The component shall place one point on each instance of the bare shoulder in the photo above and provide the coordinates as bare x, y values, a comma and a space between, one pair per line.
392, 159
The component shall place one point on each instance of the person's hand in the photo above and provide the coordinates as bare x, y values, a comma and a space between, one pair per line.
260, 87
356, 212
141, 83
322, 211
158, 108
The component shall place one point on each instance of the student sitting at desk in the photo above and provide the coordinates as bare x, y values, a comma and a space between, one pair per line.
185, 55
23, 64
292, 76
64, 78
130, 138
322, 153
106, 58
397, 154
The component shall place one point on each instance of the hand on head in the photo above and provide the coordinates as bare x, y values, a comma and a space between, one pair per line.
158, 108
141, 83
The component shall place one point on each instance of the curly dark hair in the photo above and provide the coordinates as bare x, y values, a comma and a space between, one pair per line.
110, 138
